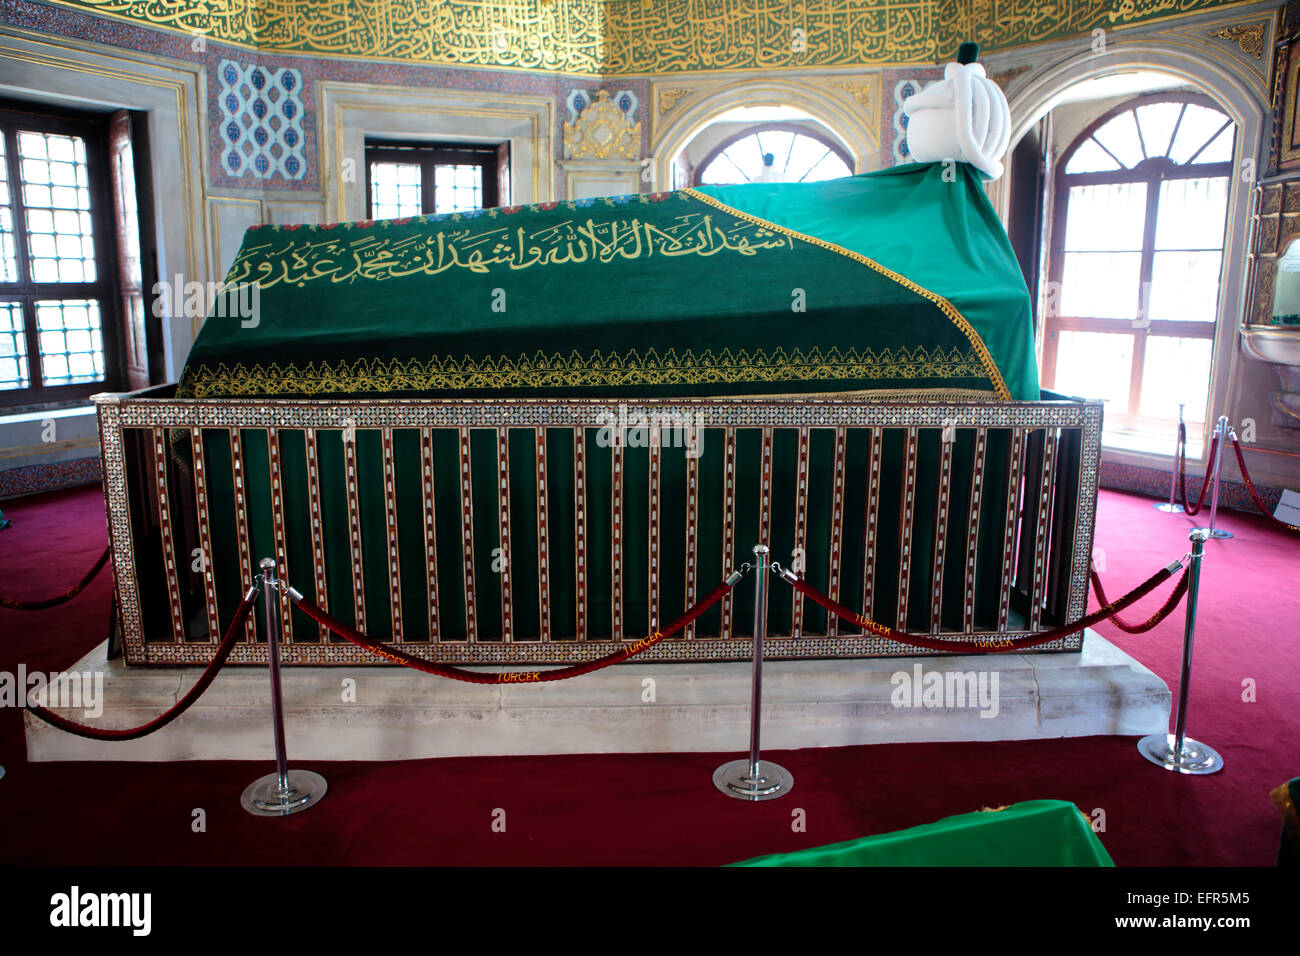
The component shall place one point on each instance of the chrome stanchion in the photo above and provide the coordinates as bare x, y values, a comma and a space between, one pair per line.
1177, 751
285, 791
753, 779
1220, 429
1173, 508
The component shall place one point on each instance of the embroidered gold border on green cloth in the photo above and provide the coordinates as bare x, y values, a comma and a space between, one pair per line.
541, 372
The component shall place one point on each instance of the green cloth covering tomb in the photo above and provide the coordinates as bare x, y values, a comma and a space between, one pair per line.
889, 282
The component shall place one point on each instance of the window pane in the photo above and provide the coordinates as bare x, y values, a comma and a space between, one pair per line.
1100, 285
1185, 286
8, 255
1157, 122
1095, 365
1091, 158
1192, 213
71, 343
59, 237
395, 190
830, 167
741, 162
1220, 150
457, 188
1109, 217
805, 153
1120, 136
1176, 370
786, 154
13, 347
1199, 124
796, 157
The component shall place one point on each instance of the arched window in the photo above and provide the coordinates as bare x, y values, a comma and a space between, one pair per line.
1135, 258
774, 152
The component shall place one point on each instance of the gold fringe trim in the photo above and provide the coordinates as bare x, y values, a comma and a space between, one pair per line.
607, 370
944, 305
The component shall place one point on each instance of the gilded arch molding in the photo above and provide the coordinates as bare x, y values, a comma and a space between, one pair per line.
848, 106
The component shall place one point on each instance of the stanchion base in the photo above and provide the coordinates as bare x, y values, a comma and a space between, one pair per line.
1169, 509
1196, 757
263, 798
1218, 533
733, 779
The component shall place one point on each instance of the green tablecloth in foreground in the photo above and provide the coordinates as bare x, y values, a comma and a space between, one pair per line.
1033, 833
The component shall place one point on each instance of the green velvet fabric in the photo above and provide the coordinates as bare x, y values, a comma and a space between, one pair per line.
672, 294
1032, 833
930, 222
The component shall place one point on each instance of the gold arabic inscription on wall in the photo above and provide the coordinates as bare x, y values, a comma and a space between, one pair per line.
614, 37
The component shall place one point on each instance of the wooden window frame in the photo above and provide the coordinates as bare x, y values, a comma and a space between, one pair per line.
93, 129
1151, 171
493, 159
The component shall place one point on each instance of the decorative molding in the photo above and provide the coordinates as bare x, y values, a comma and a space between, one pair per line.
866, 93
602, 131
586, 179
668, 98
229, 218
349, 112
1249, 37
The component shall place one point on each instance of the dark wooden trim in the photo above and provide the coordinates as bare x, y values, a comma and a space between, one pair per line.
92, 128
487, 156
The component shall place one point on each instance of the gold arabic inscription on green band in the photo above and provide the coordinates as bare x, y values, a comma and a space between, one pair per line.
616, 37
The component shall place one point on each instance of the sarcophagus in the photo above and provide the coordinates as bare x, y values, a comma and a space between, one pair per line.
668, 381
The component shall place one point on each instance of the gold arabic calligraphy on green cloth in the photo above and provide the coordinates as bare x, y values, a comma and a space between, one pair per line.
664, 295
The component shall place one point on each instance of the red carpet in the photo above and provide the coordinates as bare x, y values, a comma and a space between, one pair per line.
662, 809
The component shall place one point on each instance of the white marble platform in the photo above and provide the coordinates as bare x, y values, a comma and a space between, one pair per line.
401, 714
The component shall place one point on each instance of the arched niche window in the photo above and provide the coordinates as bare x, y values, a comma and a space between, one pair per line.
774, 152
1141, 198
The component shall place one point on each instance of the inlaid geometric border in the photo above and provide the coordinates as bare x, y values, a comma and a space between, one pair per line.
118, 412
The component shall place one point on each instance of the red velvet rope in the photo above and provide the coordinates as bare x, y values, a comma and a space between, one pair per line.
1254, 495
18, 604
209, 674
1182, 470
1165, 610
390, 653
984, 646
